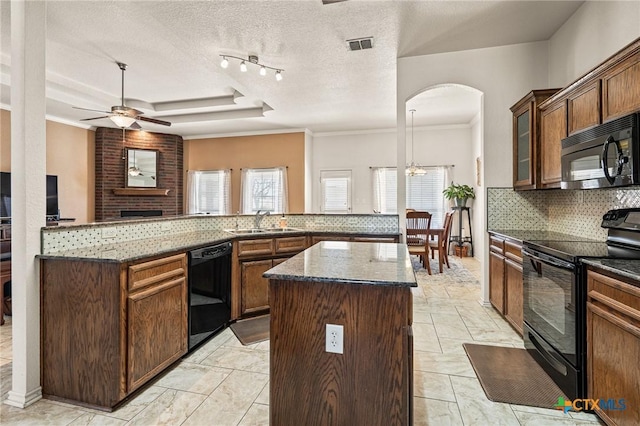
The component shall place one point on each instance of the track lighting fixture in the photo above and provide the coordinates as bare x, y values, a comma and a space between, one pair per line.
252, 59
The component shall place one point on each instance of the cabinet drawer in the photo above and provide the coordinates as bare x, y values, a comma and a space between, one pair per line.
513, 250
157, 271
496, 244
317, 238
258, 247
290, 244
375, 239
614, 294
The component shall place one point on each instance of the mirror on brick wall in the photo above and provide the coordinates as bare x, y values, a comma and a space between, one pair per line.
142, 166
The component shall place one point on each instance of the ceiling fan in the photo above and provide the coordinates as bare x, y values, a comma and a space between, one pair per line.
123, 116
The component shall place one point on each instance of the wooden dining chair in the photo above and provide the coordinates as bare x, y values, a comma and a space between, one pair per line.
418, 225
442, 243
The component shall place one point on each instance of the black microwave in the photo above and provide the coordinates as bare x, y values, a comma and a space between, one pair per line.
604, 156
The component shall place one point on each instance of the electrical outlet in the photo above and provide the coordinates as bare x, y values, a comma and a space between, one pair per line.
334, 339
109, 232
165, 226
353, 220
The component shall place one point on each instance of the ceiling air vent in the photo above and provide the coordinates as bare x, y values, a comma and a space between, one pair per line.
360, 43
331, 1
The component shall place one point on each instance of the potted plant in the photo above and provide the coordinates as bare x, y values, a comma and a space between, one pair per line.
459, 193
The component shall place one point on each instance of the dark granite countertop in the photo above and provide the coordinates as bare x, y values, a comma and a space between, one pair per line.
625, 268
144, 248
350, 263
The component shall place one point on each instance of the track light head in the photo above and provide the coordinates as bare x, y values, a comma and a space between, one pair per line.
224, 63
278, 75
243, 67
263, 71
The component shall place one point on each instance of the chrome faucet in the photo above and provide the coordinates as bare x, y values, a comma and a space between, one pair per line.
259, 216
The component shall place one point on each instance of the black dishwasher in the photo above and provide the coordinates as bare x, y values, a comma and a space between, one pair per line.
209, 291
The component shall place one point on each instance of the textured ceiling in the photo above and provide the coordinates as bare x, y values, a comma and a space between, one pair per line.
173, 52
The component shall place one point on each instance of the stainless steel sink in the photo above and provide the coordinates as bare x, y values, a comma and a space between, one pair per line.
245, 231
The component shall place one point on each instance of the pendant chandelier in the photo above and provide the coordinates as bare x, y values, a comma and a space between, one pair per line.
413, 168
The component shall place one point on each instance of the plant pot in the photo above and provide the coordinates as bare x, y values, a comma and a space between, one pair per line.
460, 202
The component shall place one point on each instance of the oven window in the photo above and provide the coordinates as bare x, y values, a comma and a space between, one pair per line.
586, 167
550, 304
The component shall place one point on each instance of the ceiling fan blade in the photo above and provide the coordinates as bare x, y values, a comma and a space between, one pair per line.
153, 120
94, 110
95, 118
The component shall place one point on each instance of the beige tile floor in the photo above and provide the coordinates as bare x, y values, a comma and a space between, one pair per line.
225, 383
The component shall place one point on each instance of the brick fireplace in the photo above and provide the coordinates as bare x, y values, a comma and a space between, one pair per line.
110, 173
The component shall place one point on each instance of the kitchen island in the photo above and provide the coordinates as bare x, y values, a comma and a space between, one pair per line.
364, 288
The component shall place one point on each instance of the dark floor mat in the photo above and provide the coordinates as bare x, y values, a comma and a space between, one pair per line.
252, 330
511, 375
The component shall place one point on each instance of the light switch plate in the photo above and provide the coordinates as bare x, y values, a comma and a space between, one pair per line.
109, 232
165, 226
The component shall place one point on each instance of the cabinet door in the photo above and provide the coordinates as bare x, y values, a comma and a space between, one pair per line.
514, 294
496, 281
553, 128
621, 89
583, 107
255, 288
613, 347
523, 155
157, 329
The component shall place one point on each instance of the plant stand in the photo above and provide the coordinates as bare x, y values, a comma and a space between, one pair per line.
459, 240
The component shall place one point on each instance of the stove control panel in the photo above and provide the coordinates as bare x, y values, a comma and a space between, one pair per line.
622, 219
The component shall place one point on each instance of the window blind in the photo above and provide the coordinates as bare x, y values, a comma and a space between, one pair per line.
335, 191
209, 191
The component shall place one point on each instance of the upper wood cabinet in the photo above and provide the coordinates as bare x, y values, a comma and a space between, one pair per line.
553, 128
609, 91
621, 87
526, 139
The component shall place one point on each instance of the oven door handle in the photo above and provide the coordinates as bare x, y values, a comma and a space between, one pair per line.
549, 260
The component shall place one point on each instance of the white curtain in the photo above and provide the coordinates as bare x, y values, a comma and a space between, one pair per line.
209, 191
385, 189
264, 189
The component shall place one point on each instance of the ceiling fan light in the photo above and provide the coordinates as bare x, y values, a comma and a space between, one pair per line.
243, 67
263, 71
224, 63
122, 121
278, 76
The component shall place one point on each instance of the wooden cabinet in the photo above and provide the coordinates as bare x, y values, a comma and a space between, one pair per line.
251, 258
609, 91
553, 128
255, 288
583, 107
621, 87
613, 346
514, 295
156, 317
496, 273
526, 139
505, 279
109, 327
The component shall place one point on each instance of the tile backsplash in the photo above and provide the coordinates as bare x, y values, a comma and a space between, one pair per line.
574, 212
55, 239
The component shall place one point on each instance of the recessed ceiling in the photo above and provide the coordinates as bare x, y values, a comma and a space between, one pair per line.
173, 51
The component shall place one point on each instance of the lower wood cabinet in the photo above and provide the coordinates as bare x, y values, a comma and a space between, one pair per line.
505, 279
613, 347
255, 288
109, 327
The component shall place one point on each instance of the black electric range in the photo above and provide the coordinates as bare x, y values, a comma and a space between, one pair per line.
555, 289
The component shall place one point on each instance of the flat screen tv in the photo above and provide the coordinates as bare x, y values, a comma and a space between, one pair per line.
5, 196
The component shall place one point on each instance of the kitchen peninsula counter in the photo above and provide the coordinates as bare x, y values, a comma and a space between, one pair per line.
365, 288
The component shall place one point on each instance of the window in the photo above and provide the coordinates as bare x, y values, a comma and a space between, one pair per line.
424, 192
209, 192
385, 190
264, 189
335, 191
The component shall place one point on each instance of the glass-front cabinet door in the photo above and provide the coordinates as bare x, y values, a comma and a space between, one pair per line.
526, 139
